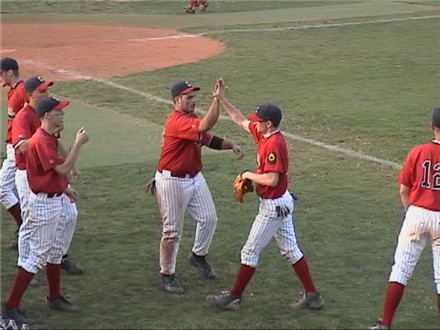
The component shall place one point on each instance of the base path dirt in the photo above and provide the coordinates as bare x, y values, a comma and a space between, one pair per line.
78, 51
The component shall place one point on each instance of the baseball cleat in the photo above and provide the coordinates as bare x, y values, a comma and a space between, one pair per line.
170, 284
309, 300
202, 265
380, 326
225, 300
62, 304
190, 10
71, 267
16, 315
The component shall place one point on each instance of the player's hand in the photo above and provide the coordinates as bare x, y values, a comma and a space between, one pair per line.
72, 194
73, 175
219, 89
81, 136
237, 150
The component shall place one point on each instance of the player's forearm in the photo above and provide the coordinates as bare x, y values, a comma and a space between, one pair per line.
65, 168
266, 179
404, 196
235, 114
211, 117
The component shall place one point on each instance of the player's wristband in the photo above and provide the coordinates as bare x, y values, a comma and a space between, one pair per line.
216, 143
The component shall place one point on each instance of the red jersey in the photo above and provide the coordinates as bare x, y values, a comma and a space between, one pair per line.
41, 158
272, 156
181, 144
16, 100
421, 172
24, 126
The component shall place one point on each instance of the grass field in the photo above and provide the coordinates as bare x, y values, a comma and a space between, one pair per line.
357, 81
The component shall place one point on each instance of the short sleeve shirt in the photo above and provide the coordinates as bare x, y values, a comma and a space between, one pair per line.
16, 100
181, 144
421, 173
42, 157
24, 126
272, 156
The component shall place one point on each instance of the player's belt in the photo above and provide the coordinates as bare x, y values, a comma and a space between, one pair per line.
179, 175
48, 195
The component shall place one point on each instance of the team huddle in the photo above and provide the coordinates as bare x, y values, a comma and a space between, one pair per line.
45, 211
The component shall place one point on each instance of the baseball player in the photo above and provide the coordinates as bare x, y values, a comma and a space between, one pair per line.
274, 217
181, 185
25, 125
9, 76
193, 5
50, 193
420, 195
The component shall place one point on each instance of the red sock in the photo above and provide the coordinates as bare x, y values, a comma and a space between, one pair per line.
243, 277
301, 269
438, 304
16, 214
21, 283
393, 297
53, 272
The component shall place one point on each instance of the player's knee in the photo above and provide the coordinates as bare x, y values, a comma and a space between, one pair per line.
249, 256
292, 256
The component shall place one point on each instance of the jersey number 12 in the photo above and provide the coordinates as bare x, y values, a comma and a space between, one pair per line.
431, 180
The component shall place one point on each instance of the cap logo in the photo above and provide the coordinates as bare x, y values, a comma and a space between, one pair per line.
188, 84
40, 79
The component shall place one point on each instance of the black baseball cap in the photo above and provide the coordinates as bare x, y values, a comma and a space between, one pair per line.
36, 84
436, 117
265, 112
182, 87
8, 63
50, 103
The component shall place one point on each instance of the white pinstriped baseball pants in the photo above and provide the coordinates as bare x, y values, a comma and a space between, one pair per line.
419, 227
269, 224
175, 196
47, 232
7, 179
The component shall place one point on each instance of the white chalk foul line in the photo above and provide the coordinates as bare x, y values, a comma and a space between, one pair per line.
286, 28
348, 152
319, 26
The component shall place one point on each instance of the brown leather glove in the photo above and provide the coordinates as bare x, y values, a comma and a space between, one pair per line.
241, 187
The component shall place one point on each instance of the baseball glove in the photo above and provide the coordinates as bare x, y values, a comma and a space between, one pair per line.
150, 187
241, 187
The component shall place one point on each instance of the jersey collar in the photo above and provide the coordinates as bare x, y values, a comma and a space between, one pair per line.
435, 141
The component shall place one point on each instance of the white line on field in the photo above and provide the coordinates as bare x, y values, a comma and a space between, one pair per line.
350, 153
286, 28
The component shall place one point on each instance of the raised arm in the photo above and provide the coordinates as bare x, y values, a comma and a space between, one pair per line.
235, 114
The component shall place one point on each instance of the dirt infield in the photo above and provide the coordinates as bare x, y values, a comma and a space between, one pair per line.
76, 51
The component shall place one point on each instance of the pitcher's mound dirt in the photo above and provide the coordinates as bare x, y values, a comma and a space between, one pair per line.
77, 51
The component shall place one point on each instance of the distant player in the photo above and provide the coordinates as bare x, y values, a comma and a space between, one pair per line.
420, 195
195, 5
10, 77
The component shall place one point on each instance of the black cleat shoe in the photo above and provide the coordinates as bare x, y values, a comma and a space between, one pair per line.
170, 284
16, 315
202, 265
71, 267
62, 304
225, 300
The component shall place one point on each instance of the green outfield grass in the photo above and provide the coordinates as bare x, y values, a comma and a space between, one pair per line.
360, 84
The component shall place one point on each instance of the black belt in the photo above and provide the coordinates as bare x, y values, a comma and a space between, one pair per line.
49, 195
180, 175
